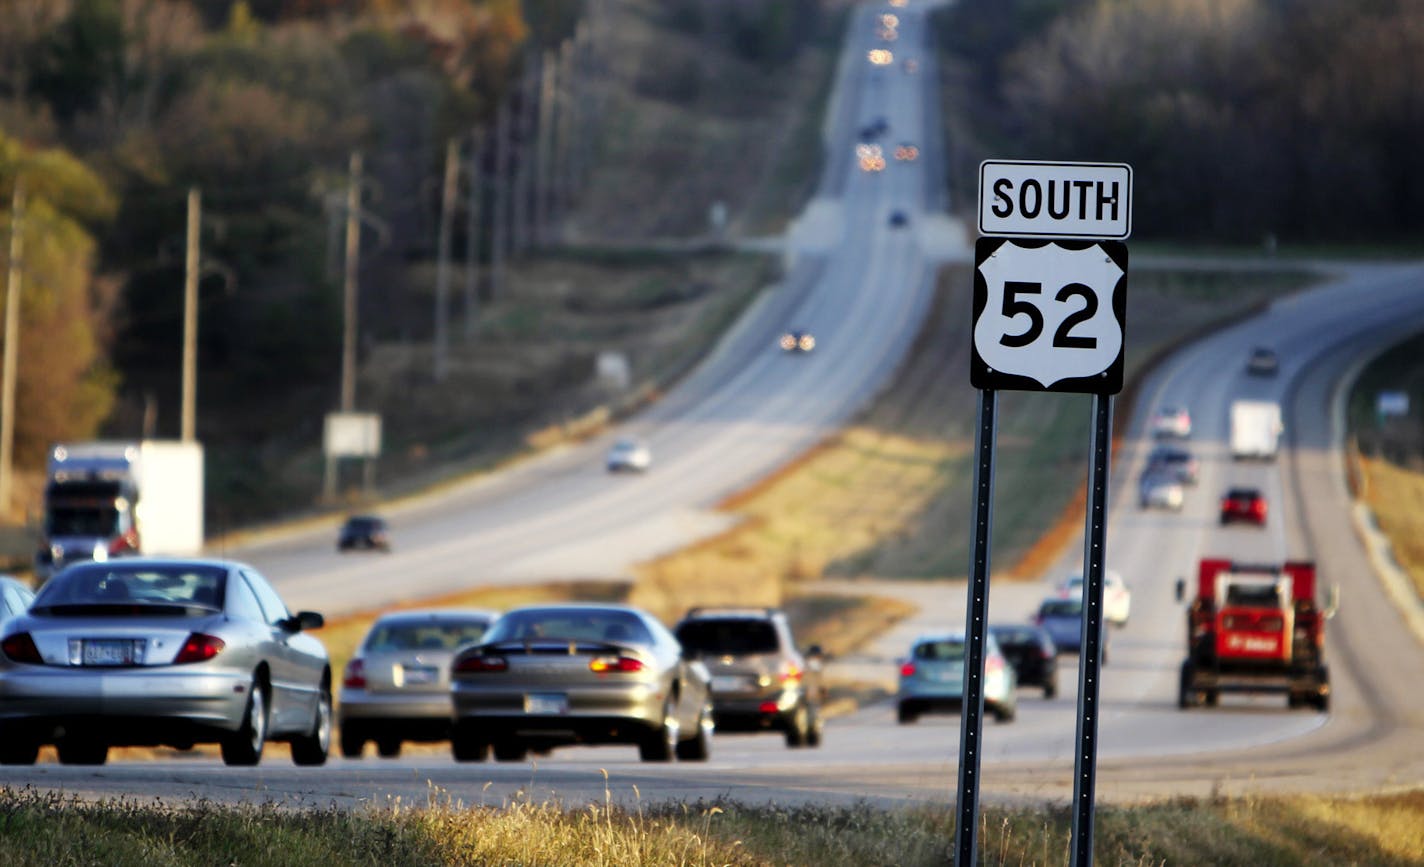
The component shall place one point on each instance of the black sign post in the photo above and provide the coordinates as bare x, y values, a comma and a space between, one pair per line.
1049, 315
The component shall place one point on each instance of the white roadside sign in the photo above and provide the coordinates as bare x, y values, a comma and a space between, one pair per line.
1031, 199
1049, 315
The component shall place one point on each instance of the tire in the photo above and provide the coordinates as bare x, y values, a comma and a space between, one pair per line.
1321, 701
1186, 695
699, 747
244, 747
353, 742
82, 751
1004, 714
798, 727
312, 748
388, 747
466, 745
1050, 689
510, 751
906, 714
1212, 698
660, 744
17, 747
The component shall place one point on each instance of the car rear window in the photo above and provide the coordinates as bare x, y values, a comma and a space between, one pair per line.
1062, 608
185, 585
1013, 635
569, 625
386, 638
940, 651
728, 636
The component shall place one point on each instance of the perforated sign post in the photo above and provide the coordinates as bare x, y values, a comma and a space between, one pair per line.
1050, 310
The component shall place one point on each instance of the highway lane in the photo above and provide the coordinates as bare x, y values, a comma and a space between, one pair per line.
860, 286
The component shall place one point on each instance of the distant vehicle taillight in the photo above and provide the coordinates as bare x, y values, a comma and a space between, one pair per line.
199, 648
355, 676
20, 647
622, 664
790, 673
481, 664
907, 670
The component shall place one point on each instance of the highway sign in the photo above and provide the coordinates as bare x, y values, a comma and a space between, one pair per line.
1032, 199
1049, 315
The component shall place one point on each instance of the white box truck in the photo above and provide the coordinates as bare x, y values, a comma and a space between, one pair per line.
1255, 429
110, 499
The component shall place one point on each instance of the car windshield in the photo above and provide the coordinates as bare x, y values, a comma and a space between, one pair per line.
728, 636
947, 650
445, 635
364, 525
1014, 635
180, 584
82, 521
569, 625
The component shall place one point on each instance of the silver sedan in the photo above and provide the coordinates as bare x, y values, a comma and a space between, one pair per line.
148, 652
553, 675
397, 686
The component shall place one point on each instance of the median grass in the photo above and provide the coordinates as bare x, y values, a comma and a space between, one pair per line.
55, 830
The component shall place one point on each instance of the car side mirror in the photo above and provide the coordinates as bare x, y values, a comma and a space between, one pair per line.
303, 620
1332, 601
1181, 589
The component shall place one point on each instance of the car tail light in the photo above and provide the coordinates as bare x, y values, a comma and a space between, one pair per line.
355, 676
907, 670
791, 673
1259, 507
20, 647
124, 543
769, 707
1230, 623
1271, 624
480, 664
993, 665
623, 664
199, 648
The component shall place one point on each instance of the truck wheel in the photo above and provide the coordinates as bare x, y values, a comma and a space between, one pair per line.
1186, 696
1213, 697
907, 714
1321, 702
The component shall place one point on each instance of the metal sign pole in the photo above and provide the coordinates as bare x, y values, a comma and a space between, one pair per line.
976, 625
1090, 653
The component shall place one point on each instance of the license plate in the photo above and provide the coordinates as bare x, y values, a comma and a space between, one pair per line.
729, 683
111, 651
546, 703
419, 674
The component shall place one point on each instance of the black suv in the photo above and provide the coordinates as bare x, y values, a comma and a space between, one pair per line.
364, 531
760, 680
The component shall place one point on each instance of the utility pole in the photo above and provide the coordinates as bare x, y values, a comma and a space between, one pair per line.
499, 228
563, 165
12, 343
472, 232
544, 153
442, 258
353, 253
190, 320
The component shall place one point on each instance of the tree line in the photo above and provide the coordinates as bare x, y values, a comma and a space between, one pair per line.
1243, 120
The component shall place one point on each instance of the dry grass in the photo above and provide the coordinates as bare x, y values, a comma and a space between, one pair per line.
1396, 496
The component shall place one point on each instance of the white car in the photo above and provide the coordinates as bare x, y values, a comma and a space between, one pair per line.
629, 453
1172, 421
1159, 490
1117, 599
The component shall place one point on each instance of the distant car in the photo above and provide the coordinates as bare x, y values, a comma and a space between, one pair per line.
1117, 598
364, 533
1030, 650
898, 219
1062, 617
760, 680
15, 597
148, 652
1161, 490
1263, 362
797, 341
629, 453
932, 678
1176, 461
1171, 421
1243, 504
548, 676
396, 687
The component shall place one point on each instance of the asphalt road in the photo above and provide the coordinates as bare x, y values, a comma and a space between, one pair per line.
861, 287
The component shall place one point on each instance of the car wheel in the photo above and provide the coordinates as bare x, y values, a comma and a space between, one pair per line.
244, 746
353, 742
81, 751
907, 714
510, 751
699, 746
1186, 695
17, 747
388, 748
466, 745
312, 747
1004, 713
1212, 698
660, 744
1050, 689
798, 727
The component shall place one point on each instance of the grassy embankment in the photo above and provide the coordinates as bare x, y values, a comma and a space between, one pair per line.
43, 829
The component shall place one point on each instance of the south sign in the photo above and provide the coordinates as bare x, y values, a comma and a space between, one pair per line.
1055, 199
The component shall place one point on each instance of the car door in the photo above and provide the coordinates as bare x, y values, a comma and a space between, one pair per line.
296, 670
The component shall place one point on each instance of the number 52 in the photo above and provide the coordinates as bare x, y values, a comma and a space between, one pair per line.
1063, 337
